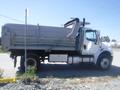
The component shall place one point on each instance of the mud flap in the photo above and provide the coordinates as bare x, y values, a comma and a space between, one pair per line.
15, 61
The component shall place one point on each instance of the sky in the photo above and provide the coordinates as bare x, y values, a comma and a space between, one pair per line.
104, 15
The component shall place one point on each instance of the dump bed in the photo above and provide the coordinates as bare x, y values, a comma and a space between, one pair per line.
37, 37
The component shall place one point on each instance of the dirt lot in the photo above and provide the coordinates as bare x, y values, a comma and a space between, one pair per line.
70, 77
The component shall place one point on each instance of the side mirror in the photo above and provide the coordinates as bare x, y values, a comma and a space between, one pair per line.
97, 37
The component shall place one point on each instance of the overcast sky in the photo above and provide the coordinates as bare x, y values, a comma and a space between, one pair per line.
104, 15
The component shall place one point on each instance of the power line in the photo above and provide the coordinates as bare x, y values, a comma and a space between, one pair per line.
11, 18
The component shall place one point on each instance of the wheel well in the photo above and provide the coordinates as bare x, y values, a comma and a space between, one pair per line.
107, 53
32, 55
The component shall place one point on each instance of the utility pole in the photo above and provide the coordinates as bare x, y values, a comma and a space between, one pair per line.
25, 39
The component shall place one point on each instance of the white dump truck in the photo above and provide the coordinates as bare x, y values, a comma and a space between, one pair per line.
74, 43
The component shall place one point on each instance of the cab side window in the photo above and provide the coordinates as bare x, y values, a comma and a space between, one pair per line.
91, 35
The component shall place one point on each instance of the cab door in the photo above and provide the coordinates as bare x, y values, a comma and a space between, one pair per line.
90, 44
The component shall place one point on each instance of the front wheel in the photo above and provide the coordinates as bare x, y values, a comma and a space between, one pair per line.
104, 62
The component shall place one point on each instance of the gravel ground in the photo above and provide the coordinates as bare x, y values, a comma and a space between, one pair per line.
93, 83
73, 77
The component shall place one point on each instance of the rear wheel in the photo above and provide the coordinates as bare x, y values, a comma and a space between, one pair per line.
31, 60
104, 62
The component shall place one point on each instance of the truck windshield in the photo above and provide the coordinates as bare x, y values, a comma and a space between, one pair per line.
91, 35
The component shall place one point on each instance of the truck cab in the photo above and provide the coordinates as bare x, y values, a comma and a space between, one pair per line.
101, 52
90, 46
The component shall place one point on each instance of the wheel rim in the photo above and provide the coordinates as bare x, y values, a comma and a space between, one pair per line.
31, 62
105, 63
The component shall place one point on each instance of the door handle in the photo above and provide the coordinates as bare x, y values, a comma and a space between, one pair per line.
85, 46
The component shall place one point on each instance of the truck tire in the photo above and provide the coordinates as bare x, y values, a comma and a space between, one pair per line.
31, 61
104, 62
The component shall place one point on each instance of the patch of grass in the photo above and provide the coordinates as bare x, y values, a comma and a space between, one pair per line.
29, 76
31, 70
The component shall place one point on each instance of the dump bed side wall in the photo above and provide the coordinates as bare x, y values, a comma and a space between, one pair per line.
38, 37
